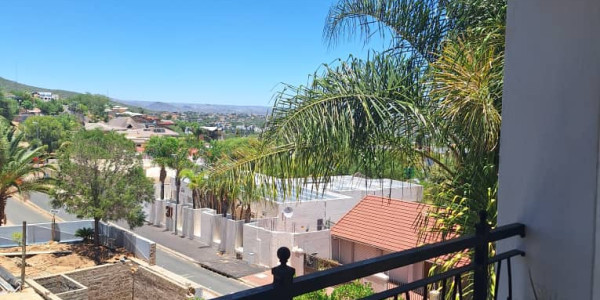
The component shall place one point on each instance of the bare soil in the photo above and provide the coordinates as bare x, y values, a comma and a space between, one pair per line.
82, 256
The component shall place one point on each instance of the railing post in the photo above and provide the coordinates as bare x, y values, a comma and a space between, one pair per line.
283, 275
480, 280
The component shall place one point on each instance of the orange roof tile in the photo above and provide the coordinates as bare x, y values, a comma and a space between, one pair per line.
387, 224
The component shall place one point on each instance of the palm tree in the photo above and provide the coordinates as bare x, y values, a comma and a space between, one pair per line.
161, 149
431, 101
21, 169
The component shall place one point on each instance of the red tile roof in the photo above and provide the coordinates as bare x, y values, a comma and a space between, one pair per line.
383, 223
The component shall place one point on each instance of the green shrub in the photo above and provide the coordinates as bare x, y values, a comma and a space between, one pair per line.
86, 233
316, 295
17, 237
348, 291
352, 290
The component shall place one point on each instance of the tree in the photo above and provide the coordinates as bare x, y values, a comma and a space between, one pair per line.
162, 149
20, 168
8, 107
49, 107
432, 102
26, 104
221, 192
95, 105
101, 177
24, 99
179, 161
48, 130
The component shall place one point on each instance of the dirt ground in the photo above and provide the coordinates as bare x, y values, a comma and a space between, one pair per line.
82, 256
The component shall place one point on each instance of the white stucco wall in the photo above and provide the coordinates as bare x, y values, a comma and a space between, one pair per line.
549, 146
260, 244
306, 213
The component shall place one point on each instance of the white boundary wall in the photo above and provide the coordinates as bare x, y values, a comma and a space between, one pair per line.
260, 245
40, 233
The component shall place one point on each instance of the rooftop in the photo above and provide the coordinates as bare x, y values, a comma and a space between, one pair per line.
338, 187
384, 223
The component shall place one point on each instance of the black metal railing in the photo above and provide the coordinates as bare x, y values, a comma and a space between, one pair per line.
285, 286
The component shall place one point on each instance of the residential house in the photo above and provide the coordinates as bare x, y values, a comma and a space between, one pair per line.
214, 133
45, 96
119, 109
320, 204
139, 133
377, 226
301, 221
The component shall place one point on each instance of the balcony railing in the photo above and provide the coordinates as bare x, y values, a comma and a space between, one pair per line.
285, 286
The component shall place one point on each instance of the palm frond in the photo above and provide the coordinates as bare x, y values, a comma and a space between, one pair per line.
416, 26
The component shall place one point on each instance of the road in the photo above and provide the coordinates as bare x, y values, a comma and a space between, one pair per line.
17, 212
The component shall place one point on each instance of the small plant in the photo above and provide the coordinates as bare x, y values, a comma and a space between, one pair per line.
17, 237
347, 291
85, 233
315, 295
352, 290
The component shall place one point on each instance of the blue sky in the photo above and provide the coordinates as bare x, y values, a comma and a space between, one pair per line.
220, 51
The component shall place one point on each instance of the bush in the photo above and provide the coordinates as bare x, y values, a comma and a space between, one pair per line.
316, 295
86, 233
349, 291
17, 237
352, 290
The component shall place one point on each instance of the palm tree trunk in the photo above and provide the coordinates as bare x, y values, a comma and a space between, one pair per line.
195, 199
247, 214
2, 212
97, 240
163, 176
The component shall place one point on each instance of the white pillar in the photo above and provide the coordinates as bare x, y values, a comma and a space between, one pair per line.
549, 147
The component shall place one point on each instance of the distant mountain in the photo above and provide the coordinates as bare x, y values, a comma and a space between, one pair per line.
9, 85
205, 108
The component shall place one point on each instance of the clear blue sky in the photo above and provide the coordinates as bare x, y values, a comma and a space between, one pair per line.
220, 51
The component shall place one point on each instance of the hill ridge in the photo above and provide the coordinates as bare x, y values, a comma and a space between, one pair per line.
7, 85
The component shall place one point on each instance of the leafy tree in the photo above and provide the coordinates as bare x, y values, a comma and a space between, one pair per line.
161, 149
8, 107
27, 104
88, 103
49, 107
24, 99
20, 168
48, 130
101, 177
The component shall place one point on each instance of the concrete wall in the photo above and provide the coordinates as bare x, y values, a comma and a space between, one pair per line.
261, 244
185, 193
349, 252
111, 282
115, 236
549, 147
106, 282
206, 225
339, 202
42, 232
64, 287
151, 285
